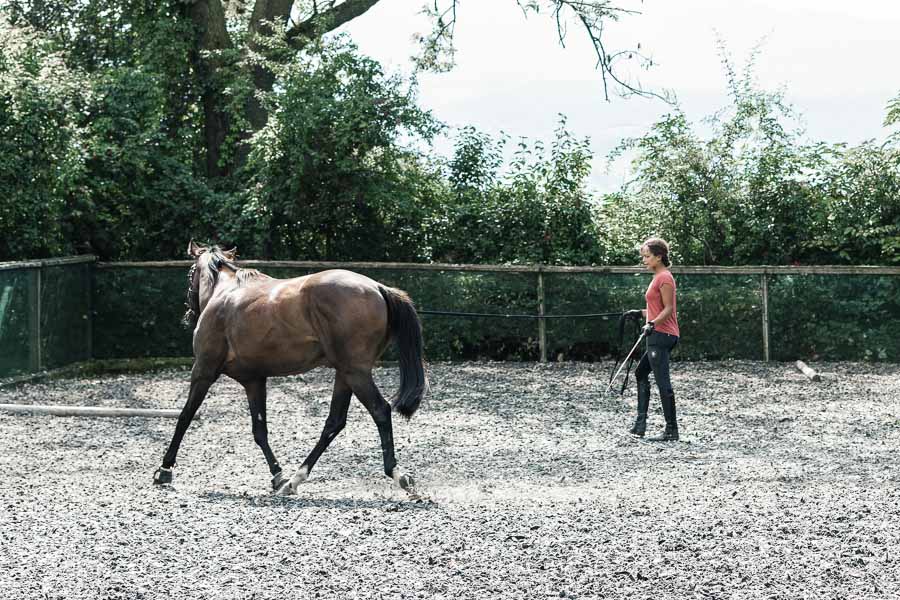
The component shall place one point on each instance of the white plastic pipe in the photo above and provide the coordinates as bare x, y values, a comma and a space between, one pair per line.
88, 411
809, 372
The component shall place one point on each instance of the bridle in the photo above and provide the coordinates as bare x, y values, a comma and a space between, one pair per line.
190, 316
215, 262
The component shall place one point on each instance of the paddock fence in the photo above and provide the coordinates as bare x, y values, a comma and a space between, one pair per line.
46, 315
65, 310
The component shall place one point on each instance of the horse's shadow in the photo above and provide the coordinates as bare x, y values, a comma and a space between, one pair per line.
298, 503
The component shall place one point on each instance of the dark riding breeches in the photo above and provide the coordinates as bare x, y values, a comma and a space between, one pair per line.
656, 359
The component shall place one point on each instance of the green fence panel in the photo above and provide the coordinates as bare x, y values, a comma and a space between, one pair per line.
138, 311
450, 337
720, 316
588, 338
17, 311
45, 317
834, 317
65, 314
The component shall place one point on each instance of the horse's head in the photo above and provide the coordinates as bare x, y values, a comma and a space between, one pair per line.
202, 277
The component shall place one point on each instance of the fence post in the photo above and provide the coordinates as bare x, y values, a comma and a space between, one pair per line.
542, 325
34, 321
89, 327
765, 314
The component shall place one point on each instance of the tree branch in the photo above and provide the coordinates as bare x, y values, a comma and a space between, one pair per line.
328, 20
268, 11
606, 62
437, 46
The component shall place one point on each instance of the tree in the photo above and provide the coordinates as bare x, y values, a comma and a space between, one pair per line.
36, 99
744, 195
861, 186
308, 20
225, 45
329, 174
539, 211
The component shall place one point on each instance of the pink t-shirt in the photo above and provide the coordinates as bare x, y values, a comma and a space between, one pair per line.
655, 303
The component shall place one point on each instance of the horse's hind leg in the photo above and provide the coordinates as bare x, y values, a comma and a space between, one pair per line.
365, 389
200, 384
337, 419
256, 397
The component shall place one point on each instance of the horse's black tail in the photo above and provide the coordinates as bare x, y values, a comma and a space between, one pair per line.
406, 330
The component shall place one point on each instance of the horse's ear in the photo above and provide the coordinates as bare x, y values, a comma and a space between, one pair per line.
194, 250
230, 254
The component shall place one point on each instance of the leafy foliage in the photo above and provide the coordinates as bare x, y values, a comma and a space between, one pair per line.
38, 163
754, 192
893, 112
330, 176
113, 126
136, 194
105, 127
861, 224
539, 211
738, 197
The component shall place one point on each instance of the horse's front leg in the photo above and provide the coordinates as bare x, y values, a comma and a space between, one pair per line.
200, 384
256, 397
337, 419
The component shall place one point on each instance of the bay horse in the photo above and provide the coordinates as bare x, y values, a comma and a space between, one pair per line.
250, 327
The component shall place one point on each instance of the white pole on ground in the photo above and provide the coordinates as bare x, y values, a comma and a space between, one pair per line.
808, 371
88, 411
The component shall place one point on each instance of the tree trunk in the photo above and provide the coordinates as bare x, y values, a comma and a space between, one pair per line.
265, 12
278, 11
208, 17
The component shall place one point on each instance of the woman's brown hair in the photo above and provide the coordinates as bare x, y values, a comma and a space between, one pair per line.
658, 247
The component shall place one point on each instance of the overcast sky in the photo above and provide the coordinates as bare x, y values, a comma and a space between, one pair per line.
836, 61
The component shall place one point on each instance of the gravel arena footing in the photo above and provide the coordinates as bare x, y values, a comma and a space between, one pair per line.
529, 487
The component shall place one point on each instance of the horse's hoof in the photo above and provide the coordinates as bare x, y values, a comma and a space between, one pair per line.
406, 482
278, 480
162, 476
286, 489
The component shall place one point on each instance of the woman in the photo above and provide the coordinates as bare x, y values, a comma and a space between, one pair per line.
662, 336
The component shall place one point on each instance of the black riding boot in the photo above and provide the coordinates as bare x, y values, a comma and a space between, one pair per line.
671, 432
643, 403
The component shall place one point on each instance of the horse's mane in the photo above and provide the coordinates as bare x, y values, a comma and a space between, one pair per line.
245, 275
212, 261
215, 259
